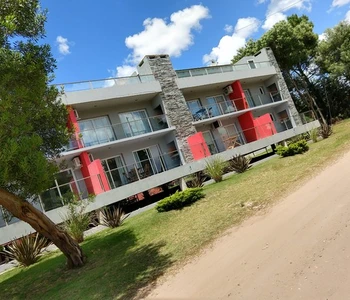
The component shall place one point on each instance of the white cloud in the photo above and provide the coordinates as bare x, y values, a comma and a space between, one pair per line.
322, 37
273, 19
277, 8
63, 45
229, 44
347, 17
162, 37
261, 1
228, 28
125, 70
339, 3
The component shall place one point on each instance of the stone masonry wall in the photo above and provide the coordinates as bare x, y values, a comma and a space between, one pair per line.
174, 102
284, 88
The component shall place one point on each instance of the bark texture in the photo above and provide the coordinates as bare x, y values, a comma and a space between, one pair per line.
42, 224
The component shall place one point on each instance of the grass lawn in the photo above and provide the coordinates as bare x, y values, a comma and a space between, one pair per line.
125, 260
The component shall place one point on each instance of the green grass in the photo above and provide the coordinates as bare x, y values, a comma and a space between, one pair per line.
124, 261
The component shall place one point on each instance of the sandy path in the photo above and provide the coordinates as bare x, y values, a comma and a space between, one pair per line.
298, 250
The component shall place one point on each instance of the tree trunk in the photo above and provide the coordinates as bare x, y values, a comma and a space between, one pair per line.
42, 224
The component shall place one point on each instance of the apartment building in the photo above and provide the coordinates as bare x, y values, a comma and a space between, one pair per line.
148, 130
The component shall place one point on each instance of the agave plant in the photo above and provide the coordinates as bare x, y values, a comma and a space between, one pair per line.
113, 216
27, 249
215, 168
326, 130
240, 163
196, 180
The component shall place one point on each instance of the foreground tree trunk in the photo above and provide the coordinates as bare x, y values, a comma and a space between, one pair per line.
42, 224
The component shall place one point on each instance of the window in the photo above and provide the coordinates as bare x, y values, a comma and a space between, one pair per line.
208, 137
63, 185
96, 131
194, 106
135, 123
115, 171
218, 105
249, 98
251, 64
149, 161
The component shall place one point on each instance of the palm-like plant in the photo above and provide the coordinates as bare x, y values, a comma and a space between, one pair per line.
113, 216
26, 250
240, 163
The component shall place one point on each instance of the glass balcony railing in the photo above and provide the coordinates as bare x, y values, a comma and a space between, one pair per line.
230, 106
221, 69
104, 83
96, 135
55, 197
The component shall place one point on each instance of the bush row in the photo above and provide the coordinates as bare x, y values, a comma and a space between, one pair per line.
180, 199
293, 148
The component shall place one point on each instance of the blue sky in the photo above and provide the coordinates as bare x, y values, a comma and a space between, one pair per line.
99, 39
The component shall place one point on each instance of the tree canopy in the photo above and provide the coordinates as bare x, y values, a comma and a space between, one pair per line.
312, 69
32, 118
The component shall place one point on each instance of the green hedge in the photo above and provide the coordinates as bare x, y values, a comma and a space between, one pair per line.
294, 148
180, 199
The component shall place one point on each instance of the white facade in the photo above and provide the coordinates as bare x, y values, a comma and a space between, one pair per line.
125, 124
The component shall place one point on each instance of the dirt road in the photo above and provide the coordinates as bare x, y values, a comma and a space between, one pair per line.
298, 250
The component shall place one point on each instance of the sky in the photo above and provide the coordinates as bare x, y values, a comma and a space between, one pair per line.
107, 38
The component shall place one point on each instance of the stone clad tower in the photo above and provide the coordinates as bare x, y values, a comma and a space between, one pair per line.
174, 102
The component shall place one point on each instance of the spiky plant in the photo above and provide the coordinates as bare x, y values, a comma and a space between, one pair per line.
326, 130
113, 216
240, 163
26, 250
215, 168
196, 180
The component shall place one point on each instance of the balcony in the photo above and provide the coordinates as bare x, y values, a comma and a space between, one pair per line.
54, 197
105, 83
230, 107
99, 133
221, 69
197, 79
125, 89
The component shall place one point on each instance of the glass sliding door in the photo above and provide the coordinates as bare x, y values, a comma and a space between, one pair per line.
144, 162
115, 170
135, 123
64, 185
194, 106
208, 137
96, 131
249, 98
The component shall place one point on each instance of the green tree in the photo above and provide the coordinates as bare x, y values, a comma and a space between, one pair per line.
32, 120
295, 46
334, 51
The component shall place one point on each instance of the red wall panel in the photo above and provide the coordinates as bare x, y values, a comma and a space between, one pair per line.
198, 146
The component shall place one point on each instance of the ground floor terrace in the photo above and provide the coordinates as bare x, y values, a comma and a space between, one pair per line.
126, 174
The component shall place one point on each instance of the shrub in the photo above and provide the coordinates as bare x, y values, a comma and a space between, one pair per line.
215, 168
27, 249
314, 135
293, 148
240, 163
326, 130
76, 219
180, 199
113, 216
